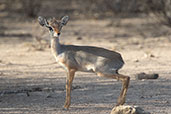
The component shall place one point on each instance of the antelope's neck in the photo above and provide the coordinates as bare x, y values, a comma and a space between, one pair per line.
55, 46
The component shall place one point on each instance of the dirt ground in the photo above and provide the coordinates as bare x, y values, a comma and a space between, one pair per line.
31, 82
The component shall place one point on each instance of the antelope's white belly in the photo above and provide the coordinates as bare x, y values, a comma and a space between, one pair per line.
87, 68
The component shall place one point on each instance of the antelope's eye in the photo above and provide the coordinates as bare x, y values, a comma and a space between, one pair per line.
50, 28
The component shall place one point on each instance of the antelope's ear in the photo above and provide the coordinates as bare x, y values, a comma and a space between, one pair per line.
43, 21
64, 20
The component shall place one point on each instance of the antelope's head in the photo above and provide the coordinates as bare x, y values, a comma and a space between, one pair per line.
54, 26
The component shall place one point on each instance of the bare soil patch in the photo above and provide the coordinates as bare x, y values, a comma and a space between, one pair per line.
31, 82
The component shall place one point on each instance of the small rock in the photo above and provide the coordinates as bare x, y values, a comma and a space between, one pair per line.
126, 109
142, 97
136, 60
151, 55
147, 55
49, 96
79, 38
143, 75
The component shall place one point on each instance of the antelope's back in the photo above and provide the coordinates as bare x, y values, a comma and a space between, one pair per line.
88, 55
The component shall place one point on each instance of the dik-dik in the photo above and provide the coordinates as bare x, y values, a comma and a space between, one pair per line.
73, 58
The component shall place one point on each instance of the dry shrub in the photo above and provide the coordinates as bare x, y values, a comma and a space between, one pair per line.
162, 9
126, 6
28, 8
31, 7
115, 6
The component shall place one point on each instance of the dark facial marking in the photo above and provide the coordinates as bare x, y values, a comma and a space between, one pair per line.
50, 28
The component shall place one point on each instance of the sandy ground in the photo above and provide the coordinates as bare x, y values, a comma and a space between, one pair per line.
31, 82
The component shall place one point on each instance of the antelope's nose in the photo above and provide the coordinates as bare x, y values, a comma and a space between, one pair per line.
59, 34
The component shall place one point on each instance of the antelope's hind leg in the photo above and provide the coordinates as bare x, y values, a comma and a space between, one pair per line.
125, 83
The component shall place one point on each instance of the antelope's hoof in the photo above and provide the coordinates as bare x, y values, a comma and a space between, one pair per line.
67, 105
120, 102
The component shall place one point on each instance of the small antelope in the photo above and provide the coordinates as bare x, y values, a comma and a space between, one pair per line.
73, 58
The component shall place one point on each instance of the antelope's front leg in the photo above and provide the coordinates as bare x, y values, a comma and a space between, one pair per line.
69, 79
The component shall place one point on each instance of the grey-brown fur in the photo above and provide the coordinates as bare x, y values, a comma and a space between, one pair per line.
73, 58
